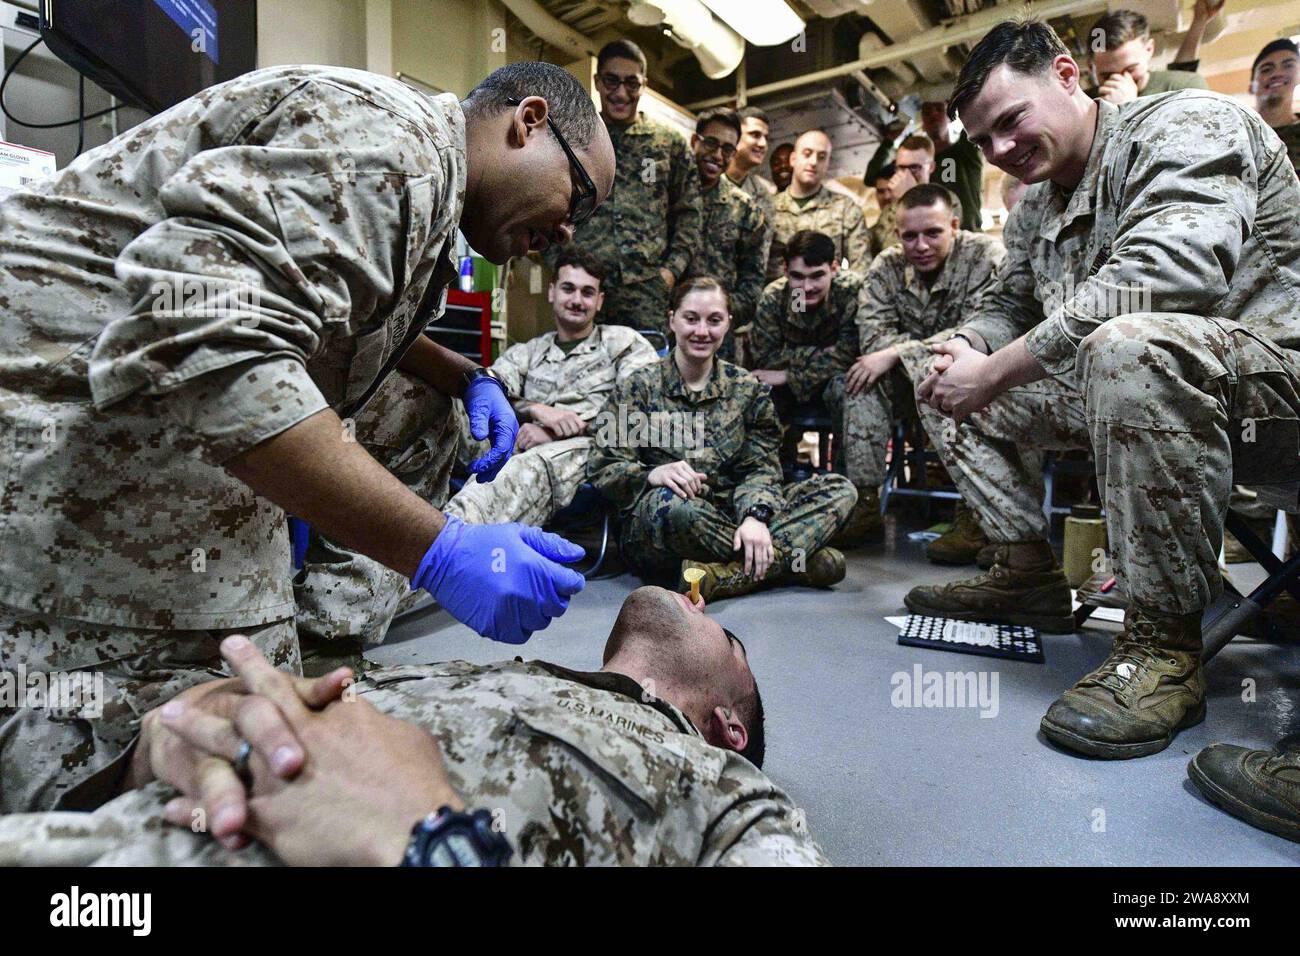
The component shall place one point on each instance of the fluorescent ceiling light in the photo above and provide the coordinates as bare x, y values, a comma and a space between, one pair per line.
761, 22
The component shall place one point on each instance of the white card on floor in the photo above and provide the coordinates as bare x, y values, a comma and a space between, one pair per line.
1011, 641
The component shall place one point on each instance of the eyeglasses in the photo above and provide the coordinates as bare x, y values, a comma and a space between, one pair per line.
583, 201
712, 145
612, 81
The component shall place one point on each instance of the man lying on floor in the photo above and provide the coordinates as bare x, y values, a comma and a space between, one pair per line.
652, 760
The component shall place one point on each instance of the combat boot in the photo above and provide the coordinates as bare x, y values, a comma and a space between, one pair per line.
1261, 787
1148, 689
1024, 586
825, 567
726, 579
961, 543
988, 556
863, 521
722, 579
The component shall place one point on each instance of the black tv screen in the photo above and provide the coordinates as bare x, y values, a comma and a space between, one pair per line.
153, 53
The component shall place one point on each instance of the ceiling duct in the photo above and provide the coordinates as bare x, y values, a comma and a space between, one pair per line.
693, 26
551, 30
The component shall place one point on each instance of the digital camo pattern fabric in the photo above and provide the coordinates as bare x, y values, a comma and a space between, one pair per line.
1213, 233
898, 308
539, 481
160, 321
651, 220
662, 528
762, 191
309, 210
733, 247
883, 233
48, 745
579, 768
812, 344
580, 380
347, 600
727, 431
1164, 293
1290, 136
832, 213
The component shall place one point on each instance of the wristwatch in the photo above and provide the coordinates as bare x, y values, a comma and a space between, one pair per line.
453, 838
761, 513
472, 374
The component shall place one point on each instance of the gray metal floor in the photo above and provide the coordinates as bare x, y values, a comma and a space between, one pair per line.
933, 786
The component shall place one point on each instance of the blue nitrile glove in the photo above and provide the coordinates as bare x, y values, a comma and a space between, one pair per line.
299, 532
500, 579
489, 411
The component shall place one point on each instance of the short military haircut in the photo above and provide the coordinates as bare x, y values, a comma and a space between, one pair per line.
925, 195
582, 259
1285, 43
750, 709
814, 248
918, 141
719, 114
1117, 28
698, 284
571, 108
886, 172
753, 112
1028, 46
620, 50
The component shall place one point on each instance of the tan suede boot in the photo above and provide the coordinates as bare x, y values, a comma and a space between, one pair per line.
863, 522
961, 543
725, 579
1024, 586
1148, 689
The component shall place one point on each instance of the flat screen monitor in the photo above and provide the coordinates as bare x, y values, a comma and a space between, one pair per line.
153, 53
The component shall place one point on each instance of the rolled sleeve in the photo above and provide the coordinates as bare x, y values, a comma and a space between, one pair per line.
271, 259
237, 408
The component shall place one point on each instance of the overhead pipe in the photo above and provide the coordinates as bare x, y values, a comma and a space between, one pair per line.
554, 31
948, 34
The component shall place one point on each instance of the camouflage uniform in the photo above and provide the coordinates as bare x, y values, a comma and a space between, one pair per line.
344, 599
317, 205
733, 247
1290, 136
578, 767
897, 307
728, 431
815, 347
883, 233
827, 212
761, 191
651, 220
538, 482
1186, 209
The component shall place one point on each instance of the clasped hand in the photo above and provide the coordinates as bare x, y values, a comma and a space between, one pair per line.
957, 386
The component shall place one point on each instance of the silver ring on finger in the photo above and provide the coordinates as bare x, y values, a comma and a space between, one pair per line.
241, 764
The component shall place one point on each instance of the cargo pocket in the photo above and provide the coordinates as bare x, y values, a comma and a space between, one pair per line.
1264, 425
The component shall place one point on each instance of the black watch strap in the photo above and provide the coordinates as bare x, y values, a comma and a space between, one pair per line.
474, 374
454, 838
761, 513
